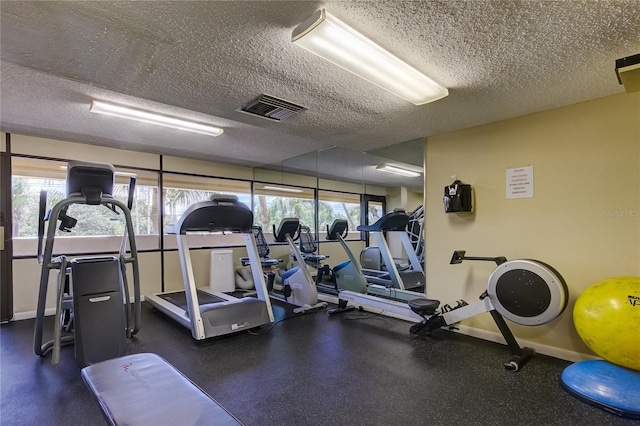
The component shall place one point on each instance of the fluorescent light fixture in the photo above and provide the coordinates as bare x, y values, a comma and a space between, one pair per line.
397, 170
628, 72
333, 40
281, 188
122, 111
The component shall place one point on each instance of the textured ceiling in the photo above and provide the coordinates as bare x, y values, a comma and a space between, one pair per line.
499, 59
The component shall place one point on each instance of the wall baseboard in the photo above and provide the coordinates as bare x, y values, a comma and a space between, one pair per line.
541, 349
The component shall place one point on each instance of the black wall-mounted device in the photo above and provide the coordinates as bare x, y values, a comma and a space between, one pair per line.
458, 197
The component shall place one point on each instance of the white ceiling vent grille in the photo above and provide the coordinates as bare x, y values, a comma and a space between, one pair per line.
266, 106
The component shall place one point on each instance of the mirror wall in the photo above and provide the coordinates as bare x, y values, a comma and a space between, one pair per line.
355, 168
339, 175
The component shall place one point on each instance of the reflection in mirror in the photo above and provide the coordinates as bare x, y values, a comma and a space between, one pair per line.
300, 170
340, 176
403, 187
271, 173
377, 170
285, 189
302, 165
272, 203
340, 186
410, 152
338, 166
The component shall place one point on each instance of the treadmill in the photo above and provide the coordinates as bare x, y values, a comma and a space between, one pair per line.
207, 313
412, 278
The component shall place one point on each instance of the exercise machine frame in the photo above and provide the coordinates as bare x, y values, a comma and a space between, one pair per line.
389, 301
229, 314
297, 284
97, 194
542, 304
394, 222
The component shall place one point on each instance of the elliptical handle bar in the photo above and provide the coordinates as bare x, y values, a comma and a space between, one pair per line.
132, 188
42, 209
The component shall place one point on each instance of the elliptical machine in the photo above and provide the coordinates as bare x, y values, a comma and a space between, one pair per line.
526, 292
92, 292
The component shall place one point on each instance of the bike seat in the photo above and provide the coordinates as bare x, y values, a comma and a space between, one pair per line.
424, 307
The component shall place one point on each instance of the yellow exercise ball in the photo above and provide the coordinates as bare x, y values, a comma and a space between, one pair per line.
607, 318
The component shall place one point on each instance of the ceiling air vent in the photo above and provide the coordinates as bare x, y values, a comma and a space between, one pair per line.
266, 106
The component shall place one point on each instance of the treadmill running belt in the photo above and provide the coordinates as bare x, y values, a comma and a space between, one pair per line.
179, 298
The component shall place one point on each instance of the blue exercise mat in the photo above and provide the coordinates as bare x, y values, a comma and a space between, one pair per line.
607, 386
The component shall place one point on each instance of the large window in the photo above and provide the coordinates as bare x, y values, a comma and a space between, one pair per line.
98, 229
180, 191
272, 203
337, 205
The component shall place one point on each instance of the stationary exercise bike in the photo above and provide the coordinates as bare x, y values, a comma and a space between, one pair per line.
526, 292
297, 285
346, 275
243, 277
308, 248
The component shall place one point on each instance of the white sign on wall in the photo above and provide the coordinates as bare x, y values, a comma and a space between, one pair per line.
520, 182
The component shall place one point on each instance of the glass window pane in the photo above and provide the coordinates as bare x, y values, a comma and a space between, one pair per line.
98, 229
181, 191
336, 205
272, 203
375, 212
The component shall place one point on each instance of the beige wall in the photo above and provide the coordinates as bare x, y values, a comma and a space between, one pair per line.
201, 260
26, 281
583, 219
403, 198
26, 273
337, 254
274, 176
29, 145
207, 168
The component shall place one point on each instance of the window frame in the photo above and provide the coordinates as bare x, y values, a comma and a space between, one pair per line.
201, 240
353, 234
270, 189
75, 245
158, 241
